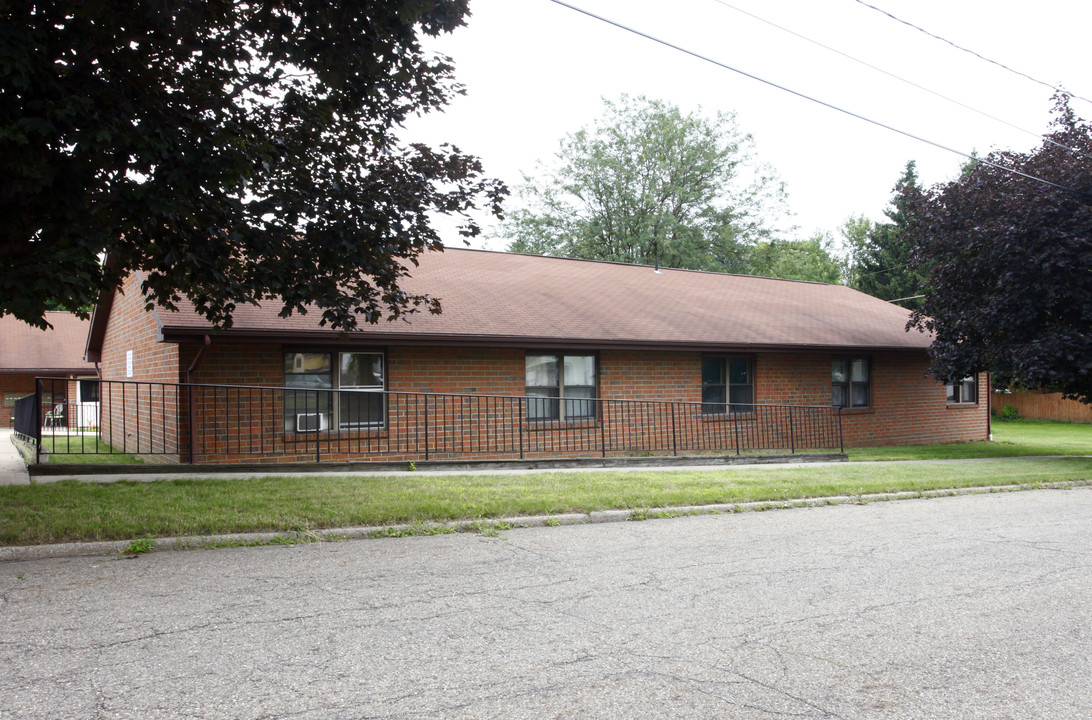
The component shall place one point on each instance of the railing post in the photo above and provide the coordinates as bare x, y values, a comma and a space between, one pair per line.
426, 427
519, 421
792, 433
735, 425
38, 421
602, 428
841, 440
674, 441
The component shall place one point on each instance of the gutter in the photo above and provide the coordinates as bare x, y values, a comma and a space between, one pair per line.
178, 335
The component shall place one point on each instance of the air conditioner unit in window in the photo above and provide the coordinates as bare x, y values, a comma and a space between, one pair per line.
311, 422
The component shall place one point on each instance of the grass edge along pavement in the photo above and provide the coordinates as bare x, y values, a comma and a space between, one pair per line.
70, 511
492, 528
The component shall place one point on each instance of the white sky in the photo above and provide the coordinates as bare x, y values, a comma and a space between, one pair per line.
535, 71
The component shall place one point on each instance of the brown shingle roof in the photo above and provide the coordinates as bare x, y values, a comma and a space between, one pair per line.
26, 349
492, 298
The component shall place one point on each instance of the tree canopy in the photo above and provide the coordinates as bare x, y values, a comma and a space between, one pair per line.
231, 152
880, 262
646, 184
1010, 264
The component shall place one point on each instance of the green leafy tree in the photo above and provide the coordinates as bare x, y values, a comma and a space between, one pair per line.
813, 259
232, 152
1010, 264
880, 262
650, 184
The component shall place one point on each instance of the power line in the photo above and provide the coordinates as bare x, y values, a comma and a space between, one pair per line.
897, 77
1052, 86
798, 94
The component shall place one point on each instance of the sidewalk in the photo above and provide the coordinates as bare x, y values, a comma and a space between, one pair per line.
13, 471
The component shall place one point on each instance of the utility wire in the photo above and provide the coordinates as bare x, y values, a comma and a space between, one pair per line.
798, 94
1052, 86
899, 78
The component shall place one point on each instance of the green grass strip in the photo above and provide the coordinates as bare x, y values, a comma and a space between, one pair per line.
69, 511
1011, 438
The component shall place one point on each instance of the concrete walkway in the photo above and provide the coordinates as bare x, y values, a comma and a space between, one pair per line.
13, 471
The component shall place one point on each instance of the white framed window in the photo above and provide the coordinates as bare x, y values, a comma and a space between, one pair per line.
964, 392
560, 387
850, 382
327, 390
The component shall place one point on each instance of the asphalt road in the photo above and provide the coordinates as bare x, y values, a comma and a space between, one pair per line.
965, 607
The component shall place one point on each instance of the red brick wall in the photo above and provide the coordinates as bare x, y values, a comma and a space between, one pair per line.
907, 407
139, 414
247, 425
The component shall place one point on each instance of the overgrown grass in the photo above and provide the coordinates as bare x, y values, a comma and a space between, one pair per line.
1012, 438
71, 511
83, 449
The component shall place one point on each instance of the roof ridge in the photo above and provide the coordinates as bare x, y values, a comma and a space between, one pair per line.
654, 268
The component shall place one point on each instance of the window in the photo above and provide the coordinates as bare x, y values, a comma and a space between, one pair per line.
560, 387
359, 378
727, 385
88, 391
964, 391
850, 383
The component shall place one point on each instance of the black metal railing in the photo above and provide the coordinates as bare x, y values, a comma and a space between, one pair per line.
26, 423
233, 423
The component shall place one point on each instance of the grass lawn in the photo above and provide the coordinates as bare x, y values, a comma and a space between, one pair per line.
1011, 438
83, 449
69, 511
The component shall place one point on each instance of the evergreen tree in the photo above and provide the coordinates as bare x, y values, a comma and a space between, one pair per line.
881, 258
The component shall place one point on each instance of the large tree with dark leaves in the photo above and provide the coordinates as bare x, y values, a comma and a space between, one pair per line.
1010, 289
233, 152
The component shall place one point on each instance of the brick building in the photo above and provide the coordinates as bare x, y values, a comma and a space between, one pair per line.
27, 352
558, 334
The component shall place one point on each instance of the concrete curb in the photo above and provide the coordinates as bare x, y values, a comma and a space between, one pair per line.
22, 553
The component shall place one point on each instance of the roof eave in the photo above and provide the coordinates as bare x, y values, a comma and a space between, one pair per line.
185, 334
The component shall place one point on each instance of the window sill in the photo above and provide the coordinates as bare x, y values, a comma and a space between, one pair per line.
347, 434
544, 425
961, 406
870, 410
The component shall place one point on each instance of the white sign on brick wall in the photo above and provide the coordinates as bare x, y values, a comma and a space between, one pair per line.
128, 363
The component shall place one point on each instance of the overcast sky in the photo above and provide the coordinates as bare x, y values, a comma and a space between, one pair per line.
535, 71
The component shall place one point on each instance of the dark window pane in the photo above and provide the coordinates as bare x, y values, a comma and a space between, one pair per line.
838, 396
739, 371
970, 388
361, 370
741, 394
361, 408
89, 391
860, 394
838, 371
712, 400
542, 404
712, 371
